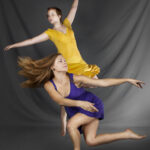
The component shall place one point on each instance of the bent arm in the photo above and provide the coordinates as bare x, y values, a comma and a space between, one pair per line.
58, 98
99, 82
37, 39
67, 102
72, 12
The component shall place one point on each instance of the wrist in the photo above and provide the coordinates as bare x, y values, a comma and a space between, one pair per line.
13, 46
128, 80
78, 103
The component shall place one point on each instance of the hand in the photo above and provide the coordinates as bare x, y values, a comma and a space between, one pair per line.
137, 83
8, 47
63, 131
88, 106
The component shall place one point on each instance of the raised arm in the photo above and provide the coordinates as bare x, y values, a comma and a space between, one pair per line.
59, 99
37, 39
106, 82
72, 12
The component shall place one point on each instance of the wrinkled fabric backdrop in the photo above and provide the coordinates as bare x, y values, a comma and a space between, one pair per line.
114, 34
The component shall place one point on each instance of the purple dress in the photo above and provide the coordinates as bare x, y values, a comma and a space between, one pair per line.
81, 94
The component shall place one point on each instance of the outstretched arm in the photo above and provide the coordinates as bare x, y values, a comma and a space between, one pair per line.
105, 82
37, 39
72, 12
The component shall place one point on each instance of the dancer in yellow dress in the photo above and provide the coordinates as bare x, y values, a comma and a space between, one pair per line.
63, 37
66, 45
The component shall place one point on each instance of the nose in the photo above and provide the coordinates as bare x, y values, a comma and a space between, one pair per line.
65, 63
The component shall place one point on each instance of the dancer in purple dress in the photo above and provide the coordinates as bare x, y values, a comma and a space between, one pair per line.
78, 94
84, 109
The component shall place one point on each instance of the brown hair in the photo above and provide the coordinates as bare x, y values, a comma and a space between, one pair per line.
38, 71
58, 11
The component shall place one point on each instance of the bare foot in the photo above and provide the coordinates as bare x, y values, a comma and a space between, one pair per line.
133, 135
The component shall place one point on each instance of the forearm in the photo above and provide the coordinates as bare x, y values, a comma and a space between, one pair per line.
75, 3
63, 120
37, 39
112, 81
69, 102
24, 43
63, 116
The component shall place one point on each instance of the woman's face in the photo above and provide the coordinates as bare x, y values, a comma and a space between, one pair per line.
52, 16
60, 64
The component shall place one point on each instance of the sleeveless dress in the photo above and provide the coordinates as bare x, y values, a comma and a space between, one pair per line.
67, 46
81, 94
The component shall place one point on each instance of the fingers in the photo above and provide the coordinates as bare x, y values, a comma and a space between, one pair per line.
95, 109
89, 107
6, 48
141, 82
139, 85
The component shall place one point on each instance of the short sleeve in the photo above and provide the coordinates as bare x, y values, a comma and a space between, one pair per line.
67, 23
49, 33
71, 76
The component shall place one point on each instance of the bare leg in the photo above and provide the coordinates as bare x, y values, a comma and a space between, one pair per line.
92, 139
72, 127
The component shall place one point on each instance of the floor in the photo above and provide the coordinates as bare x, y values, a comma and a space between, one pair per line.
46, 137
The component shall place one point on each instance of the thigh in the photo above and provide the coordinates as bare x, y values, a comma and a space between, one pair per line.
79, 119
90, 129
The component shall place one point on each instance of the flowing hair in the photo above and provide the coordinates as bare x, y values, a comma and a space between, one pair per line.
38, 71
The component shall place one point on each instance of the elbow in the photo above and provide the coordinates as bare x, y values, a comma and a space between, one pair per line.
103, 83
61, 102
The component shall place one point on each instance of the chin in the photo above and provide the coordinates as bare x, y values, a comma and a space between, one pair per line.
64, 70
51, 22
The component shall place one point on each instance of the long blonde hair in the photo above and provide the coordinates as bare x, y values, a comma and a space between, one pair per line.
37, 71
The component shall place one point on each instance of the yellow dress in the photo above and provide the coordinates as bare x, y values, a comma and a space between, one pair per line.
67, 46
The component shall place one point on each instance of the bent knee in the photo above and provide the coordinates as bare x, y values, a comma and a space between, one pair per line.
70, 125
90, 141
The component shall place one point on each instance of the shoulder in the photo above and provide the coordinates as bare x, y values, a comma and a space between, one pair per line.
48, 85
77, 78
67, 23
49, 32
52, 92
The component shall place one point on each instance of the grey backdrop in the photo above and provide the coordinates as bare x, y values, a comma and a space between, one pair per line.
114, 34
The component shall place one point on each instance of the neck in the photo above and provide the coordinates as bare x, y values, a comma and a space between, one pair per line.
57, 25
60, 77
